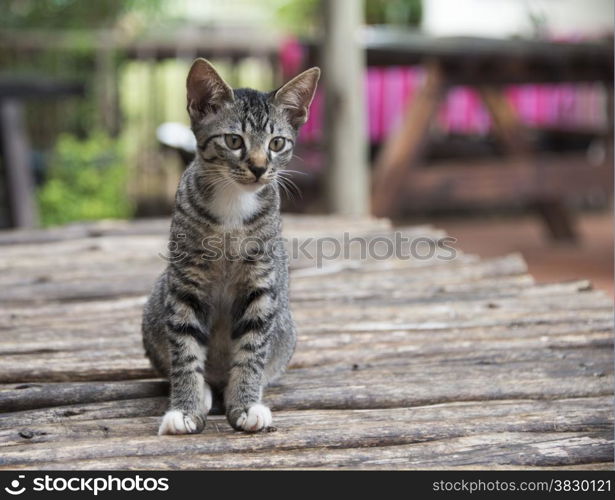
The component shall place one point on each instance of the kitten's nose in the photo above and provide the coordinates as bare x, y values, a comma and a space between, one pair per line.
257, 171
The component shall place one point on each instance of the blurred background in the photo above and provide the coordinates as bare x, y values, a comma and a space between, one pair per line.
489, 118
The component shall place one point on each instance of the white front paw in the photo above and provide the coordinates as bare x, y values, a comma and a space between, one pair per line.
178, 422
257, 417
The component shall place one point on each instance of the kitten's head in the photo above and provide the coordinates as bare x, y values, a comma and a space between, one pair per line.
243, 135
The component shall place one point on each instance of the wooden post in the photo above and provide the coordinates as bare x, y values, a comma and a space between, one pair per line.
343, 61
401, 150
106, 85
16, 153
506, 124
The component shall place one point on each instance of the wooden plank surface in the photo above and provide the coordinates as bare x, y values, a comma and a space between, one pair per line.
401, 363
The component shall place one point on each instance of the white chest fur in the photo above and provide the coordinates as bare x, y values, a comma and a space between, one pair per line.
232, 204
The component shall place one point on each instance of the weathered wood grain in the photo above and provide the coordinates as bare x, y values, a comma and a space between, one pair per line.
512, 449
58, 343
311, 429
115, 313
20, 397
563, 415
159, 227
401, 363
114, 266
90, 411
369, 385
129, 363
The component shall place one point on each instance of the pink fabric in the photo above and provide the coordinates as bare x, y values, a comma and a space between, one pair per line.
388, 91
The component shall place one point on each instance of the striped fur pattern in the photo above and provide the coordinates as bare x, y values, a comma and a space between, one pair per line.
218, 320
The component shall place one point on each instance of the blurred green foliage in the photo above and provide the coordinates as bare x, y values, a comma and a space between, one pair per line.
299, 16
395, 12
302, 16
68, 14
65, 39
86, 180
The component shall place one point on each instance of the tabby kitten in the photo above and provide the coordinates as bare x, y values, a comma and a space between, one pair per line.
218, 320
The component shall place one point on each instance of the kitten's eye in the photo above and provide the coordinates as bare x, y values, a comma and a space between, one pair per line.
233, 141
277, 144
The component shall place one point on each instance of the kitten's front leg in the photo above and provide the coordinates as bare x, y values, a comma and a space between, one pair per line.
190, 395
253, 316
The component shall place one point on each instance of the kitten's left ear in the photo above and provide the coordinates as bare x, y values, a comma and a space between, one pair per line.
296, 96
206, 89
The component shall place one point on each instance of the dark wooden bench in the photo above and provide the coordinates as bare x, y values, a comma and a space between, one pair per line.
523, 176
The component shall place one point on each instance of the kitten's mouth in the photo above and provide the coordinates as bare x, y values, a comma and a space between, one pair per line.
253, 184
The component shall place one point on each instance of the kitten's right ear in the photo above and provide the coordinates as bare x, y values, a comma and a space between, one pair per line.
296, 96
206, 89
